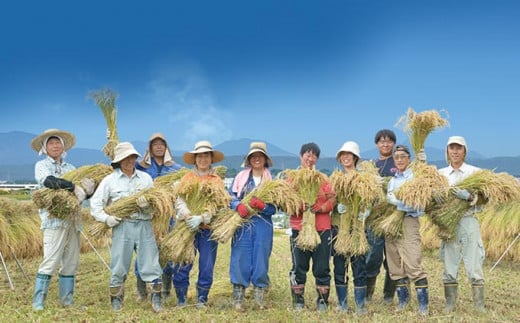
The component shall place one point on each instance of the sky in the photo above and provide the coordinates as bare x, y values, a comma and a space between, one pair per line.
287, 72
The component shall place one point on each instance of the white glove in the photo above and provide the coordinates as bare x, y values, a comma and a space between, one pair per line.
363, 215
421, 156
194, 221
461, 194
341, 208
112, 221
390, 197
142, 202
89, 185
80, 193
474, 200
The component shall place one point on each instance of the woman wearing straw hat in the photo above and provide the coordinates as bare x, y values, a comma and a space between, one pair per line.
252, 243
202, 157
157, 161
61, 237
132, 233
348, 156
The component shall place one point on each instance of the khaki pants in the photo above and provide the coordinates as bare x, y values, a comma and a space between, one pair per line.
61, 247
404, 255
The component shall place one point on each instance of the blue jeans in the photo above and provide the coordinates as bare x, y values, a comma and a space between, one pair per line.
340, 267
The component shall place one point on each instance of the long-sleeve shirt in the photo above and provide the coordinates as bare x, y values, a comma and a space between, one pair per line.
156, 170
326, 199
455, 176
393, 185
236, 197
42, 169
116, 186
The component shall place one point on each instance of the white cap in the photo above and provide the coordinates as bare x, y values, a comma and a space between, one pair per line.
459, 140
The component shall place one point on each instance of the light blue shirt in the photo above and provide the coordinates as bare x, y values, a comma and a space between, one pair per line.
116, 186
393, 185
42, 169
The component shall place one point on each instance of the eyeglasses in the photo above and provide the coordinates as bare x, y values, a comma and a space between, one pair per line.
401, 156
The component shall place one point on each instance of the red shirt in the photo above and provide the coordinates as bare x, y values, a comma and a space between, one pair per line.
326, 199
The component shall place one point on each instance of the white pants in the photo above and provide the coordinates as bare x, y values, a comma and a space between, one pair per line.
61, 247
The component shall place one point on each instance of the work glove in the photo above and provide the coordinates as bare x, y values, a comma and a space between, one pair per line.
405, 208
421, 156
80, 193
242, 210
461, 194
315, 208
390, 197
341, 208
142, 202
56, 183
112, 221
257, 203
363, 215
89, 185
474, 200
193, 222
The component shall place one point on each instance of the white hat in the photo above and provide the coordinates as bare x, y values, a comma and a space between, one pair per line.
455, 140
147, 159
39, 141
351, 147
255, 147
123, 150
202, 147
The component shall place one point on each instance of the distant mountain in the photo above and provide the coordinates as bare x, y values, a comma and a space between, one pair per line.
18, 159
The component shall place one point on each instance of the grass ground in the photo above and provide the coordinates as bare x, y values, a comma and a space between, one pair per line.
92, 300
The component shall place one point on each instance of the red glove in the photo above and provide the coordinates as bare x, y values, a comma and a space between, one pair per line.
257, 203
242, 210
316, 208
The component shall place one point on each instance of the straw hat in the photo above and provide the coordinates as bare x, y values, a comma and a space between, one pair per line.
147, 159
455, 140
202, 147
255, 147
68, 139
350, 147
123, 150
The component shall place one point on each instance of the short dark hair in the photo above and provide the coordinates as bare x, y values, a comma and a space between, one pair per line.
312, 147
385, 133
402, 148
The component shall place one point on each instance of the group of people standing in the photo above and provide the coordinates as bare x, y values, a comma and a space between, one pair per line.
252, 243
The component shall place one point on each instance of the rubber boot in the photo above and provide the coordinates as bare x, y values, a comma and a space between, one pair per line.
450, 293
116, 297
421, 289
477, 291
66, 290
41, 288
142, 293
181, 293
238, 297
359, 297
403, 293
342, 292
166, 285
322, 302
388, 290
371, 287
156, 298
202, 297
258, 295
297, 293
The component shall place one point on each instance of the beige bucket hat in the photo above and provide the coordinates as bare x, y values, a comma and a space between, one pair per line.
123, 150
202, 147
257, 146
39, 141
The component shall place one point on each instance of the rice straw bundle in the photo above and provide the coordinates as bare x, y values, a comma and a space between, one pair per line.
418, 126
220, 170
277, 192
106, 100
392, 225
494, 187
379, 212
446, 216
429, 233
306, 183
169, 180
200, 196
500, 224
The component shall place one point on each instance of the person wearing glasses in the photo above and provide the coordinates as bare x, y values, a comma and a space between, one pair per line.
404, 254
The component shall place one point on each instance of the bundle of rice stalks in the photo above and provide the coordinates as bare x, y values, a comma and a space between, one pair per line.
429, 233
106, 100
392, 225
426, 186
447, 215
221, 171
276, 192
418, 126
200, 196
169, 180
499, 226
379, 212
306, 182
494, 187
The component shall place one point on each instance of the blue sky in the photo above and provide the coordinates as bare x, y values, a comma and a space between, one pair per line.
287, 72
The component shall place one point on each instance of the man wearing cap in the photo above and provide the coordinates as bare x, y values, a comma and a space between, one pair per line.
467, 245
202, 157
348, 156
132, 233
61, 237
157, 161
252, 243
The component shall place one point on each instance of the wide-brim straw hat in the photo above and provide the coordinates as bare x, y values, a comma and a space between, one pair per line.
68, 139
455, 140
254, 147
350, 147
123, 150
147, 159
202, 147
